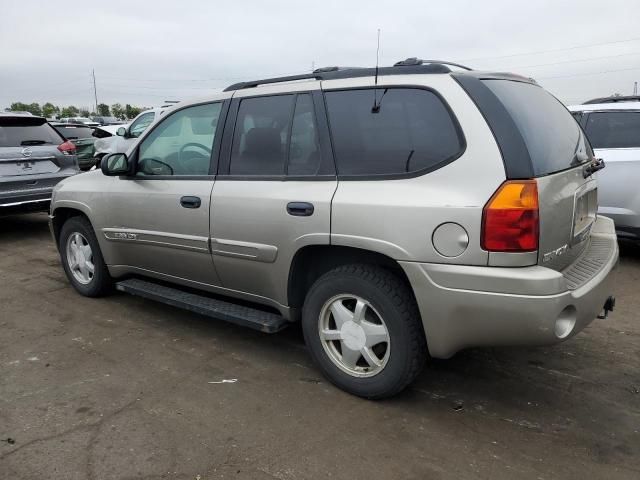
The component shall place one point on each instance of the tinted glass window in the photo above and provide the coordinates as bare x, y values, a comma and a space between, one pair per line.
260, 137
304, 151
22, 133
411, 131
181, 144
553, 138
614, 129
141, 124
73, 133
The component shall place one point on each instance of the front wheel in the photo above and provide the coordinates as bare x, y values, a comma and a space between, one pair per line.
82, 259
362, 328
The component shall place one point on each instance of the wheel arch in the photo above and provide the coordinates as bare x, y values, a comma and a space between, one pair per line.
60, 214
312, 261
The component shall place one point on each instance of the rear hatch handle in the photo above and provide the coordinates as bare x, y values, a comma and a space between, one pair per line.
593, 167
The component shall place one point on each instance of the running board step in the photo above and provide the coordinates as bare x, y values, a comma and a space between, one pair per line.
229, 312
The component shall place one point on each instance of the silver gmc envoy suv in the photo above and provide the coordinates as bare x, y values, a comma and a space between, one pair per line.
398, 213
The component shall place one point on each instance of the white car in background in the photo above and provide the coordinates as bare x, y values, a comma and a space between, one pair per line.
612, 125
118, 138
84, 120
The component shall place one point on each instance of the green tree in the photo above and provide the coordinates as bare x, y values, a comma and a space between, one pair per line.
103, 110
50, 110
131, 111
117, 111
33, 108
84, 112
69, 111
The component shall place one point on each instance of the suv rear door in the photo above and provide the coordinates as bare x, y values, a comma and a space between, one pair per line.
552, 148
29, 156
274, 187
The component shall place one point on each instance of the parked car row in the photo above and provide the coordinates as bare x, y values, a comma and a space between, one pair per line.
397, 213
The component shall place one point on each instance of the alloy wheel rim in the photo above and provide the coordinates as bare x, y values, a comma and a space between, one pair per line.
80, 258
354, 335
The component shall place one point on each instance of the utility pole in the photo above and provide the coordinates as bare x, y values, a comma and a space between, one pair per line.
95, 92
635, 88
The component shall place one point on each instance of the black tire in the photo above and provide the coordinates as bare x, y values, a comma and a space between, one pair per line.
392, 299
101, 283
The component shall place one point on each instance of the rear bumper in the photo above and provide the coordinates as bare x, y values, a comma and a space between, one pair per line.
29, 195
467, 306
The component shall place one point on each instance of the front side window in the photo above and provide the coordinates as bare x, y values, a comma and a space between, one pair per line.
614, 129
141, 124
386, 131
181, 144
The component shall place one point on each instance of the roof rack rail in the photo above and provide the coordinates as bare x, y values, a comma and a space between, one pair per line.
331, 73
614, 99
411, 61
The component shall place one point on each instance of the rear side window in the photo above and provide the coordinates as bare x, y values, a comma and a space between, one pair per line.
614, 129
73, 133
19, 132
412, 130
553, 138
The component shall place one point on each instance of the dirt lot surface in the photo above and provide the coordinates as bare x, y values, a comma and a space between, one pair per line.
119, 388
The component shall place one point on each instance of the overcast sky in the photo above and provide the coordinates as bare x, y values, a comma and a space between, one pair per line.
144, 52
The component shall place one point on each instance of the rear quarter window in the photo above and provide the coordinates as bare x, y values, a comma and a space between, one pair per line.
614, 129
553, 138
412, 131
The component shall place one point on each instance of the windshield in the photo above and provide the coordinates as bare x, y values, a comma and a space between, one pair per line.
553, 138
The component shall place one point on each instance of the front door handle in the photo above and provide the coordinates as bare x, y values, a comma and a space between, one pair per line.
190, 202
300, 209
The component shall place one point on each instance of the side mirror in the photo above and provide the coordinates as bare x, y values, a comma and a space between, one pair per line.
115, 164
121, 132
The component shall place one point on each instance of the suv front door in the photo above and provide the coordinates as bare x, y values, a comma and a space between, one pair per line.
273, 192
159, 218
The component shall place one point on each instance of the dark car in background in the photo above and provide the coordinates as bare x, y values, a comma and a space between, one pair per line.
108, 120
34, 157
82, 137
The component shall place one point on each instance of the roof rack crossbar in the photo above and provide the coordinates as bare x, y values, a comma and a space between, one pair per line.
419, 61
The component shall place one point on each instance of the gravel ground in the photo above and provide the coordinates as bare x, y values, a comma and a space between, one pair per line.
119, 388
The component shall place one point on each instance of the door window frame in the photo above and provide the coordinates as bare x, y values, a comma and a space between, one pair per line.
215, 151
327, 164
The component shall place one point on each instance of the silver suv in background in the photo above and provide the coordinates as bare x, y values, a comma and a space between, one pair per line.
613, 127
398, 213
34, 157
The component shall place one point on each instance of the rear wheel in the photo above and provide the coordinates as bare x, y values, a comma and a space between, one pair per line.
362, 327
82, 260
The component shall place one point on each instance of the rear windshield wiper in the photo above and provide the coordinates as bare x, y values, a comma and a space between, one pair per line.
32, 142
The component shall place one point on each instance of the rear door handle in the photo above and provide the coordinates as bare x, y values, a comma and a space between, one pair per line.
300, 209
190, 202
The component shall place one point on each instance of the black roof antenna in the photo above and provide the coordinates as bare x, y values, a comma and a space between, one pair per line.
376, 105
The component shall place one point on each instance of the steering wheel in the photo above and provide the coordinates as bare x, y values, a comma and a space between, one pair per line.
153, 166
193, 165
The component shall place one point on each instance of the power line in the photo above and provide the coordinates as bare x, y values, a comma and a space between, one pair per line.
588, 74
576, 61
539, 52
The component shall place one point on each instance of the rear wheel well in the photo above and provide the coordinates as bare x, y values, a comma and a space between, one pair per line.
60, 216
311, 262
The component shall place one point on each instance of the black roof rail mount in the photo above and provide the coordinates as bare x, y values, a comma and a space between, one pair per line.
332, 73
614, 99
411, 61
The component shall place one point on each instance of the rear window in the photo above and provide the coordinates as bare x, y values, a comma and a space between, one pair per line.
21, 132
553, 138
614, 129
411, 131
73, 133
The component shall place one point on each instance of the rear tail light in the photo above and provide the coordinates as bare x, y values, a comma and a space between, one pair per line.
67, 148
510, 220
